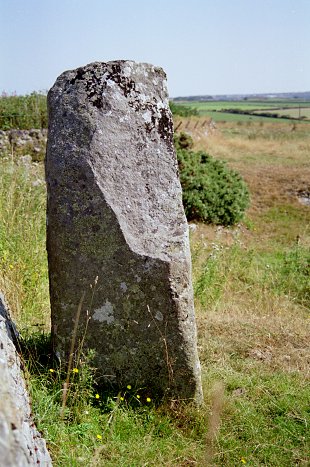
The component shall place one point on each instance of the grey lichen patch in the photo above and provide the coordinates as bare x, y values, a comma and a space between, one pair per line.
104, 313
127, 80
159, 316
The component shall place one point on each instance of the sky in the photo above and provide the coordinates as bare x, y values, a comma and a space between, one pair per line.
205, 47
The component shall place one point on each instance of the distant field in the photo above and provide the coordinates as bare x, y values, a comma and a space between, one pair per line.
219, 116
293, 112
220, 110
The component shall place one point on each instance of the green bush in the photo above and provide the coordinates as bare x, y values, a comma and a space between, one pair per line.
212, 192
183, 141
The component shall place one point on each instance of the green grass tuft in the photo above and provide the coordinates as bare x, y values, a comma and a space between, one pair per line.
23, 260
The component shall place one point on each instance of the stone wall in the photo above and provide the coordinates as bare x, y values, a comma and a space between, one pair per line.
20, 442
24, 142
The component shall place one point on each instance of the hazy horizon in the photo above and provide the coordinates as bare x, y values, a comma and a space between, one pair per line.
244, 94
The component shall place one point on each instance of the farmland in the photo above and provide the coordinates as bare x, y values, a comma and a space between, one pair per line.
254, 110
301, 112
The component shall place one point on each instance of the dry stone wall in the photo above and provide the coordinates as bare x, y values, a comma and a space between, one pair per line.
30, 143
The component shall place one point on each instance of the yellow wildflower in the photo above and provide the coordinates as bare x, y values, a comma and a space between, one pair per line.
138, 396
148, 399
99, 437
75, 370
243, 460
128, 386
121, 398
51, 370
97, 396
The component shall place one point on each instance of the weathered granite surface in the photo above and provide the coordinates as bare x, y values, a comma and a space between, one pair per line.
115, 213
20, 442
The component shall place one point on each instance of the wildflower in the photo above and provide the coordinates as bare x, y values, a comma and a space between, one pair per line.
148, 399
128, 386
52, 370
97, 396
121, 398
75, 370
243, 460
138, 396
99, 437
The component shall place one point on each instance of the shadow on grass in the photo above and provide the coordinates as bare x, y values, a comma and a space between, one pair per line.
37, 354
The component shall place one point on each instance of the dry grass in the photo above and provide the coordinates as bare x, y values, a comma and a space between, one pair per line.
256, 322
269, 333
216, 408
254, 332
272, 157
23, 277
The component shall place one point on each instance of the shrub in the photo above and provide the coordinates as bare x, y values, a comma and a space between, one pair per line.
212, 192
183, 141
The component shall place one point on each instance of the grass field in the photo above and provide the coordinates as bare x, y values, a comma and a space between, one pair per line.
252, 298
280, 107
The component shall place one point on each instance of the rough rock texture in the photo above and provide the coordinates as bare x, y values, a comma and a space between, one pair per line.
20, 443
115, 213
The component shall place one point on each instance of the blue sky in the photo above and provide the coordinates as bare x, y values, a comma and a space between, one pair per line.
205, 47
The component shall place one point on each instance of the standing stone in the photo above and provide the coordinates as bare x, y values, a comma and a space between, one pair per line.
117, 236
20, 442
